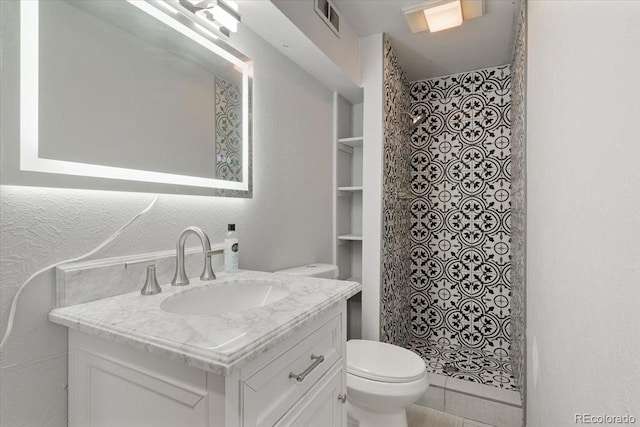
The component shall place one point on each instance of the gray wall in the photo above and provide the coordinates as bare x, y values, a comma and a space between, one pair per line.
286, 223
583, 210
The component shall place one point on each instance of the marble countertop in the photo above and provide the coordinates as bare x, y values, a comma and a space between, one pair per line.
216, 343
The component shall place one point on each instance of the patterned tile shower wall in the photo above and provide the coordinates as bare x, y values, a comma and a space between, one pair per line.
395, 292
518, 216
461, 211
228, 102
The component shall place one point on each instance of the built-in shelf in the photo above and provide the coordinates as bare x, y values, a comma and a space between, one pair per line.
350, 237
348, 190
353, 142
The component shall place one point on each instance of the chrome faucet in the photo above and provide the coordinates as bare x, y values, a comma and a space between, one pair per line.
180, 277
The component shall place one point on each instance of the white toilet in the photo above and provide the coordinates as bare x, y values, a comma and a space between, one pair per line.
382, 379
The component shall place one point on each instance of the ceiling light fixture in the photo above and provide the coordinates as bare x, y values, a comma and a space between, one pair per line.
222, 14
439, 15
443, 16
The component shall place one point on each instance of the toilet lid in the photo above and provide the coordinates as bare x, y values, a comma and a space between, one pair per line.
383, 362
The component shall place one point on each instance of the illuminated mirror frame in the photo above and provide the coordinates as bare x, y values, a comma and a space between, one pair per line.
29, 79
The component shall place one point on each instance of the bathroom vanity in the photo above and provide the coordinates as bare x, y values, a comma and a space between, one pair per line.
268, 350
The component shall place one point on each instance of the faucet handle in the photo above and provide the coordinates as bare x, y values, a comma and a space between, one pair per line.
151, 286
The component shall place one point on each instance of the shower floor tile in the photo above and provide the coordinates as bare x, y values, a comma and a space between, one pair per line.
465, 363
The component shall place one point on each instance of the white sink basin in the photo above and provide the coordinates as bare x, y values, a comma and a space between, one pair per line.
226, 297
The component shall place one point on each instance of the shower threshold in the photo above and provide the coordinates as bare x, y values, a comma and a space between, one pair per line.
470, 384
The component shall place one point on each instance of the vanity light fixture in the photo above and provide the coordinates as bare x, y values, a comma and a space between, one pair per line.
221, 14
440, 15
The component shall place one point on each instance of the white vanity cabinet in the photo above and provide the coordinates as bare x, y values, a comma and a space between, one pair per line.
322, 406
298, 382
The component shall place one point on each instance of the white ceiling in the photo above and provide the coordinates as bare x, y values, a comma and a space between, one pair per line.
478, 43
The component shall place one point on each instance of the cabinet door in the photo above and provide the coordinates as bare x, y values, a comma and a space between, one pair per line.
321, 406
111, 385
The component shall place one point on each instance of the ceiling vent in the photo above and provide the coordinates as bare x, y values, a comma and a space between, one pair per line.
329, 14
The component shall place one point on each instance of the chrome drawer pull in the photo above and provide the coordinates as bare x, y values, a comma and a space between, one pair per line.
301, 376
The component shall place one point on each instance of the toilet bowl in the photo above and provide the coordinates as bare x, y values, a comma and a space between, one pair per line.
382, 381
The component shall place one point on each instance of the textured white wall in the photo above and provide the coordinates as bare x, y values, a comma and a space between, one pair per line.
343, 50
583, 210
288, 222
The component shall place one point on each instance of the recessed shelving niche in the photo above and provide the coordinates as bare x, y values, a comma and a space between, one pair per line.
348, 188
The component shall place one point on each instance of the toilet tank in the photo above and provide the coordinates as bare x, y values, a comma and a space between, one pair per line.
325, 271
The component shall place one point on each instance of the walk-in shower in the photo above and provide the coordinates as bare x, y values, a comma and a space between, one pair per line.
448, 274
460, 230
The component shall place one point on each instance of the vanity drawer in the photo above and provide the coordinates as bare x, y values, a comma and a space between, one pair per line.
271, 391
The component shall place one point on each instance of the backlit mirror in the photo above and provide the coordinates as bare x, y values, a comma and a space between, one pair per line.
132, 91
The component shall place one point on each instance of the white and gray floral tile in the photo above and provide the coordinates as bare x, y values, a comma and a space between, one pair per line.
395, 293
461, 213
467, 364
